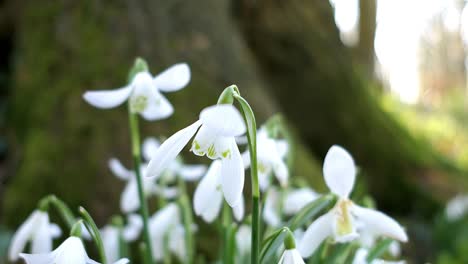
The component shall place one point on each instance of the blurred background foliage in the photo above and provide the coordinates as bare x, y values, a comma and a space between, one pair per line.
385, 79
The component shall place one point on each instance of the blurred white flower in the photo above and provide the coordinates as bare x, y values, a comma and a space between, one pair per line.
457, 207
166, 225
272, 207
37, 229
296, 199
70, 251
291, 256
360, 257
243, 240
144, 92
342, 221
208, 196
270, 154
217, 128
111, 242
132, 230
129, 201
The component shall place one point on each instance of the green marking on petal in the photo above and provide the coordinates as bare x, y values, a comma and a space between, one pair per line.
344, 224
261, 167
226, 154
211, 153
138, 103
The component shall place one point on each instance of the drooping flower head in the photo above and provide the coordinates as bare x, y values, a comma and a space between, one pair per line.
217, 128
271, 154
37, 229
346, 220
71, 251
144, 92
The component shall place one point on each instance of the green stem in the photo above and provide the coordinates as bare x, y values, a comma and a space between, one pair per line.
135, 136
95, 234
228, 257
187, 218
251, 125
63, 210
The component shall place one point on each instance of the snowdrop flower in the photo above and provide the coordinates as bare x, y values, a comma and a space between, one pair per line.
360, 257
71, 250
37, 229
217, 128
165, 224
270, 154
132, 230
144, 92
243, 239
177, 242
111, 241
176, 167
297, 199
208, 196
129, 201
290, 255
271, 210
341, 222
457, 207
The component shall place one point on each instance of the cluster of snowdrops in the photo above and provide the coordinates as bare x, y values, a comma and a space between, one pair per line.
288, 222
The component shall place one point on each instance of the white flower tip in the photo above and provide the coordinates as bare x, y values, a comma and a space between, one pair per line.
225, 119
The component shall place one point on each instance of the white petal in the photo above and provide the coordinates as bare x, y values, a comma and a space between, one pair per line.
315, 234
291, 256
162, 220
149, 147
119, 170
339, 171
23, 234
167, 192
224, 120
169, 150
207, 199
271, 208
108, 98
192, 172
55, 230
129, 201
281, 172
239, 209
71, 251
122, 261
174, 78
297, 199
232, 176
110, 239
158, 108
282, 147
47, 258
42, 238
133, 228
379, 223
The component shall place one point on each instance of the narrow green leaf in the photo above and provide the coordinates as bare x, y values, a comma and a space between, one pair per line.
311, 210
63, 209
271, 247
379, 249
340, 254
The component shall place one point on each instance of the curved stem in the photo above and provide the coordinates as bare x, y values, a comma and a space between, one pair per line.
136, 153
95, 234
251, 125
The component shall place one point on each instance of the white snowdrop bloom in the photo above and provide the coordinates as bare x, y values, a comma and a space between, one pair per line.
161, 226
208, 196
144, 93
111, 242
457, 207
243, 239
341, 222
291, 256
176, 168
37, 229
129, 201
271, 210
177, 242
71, 251
297, 199
270, 154
360, 257
132, 230
217, 128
